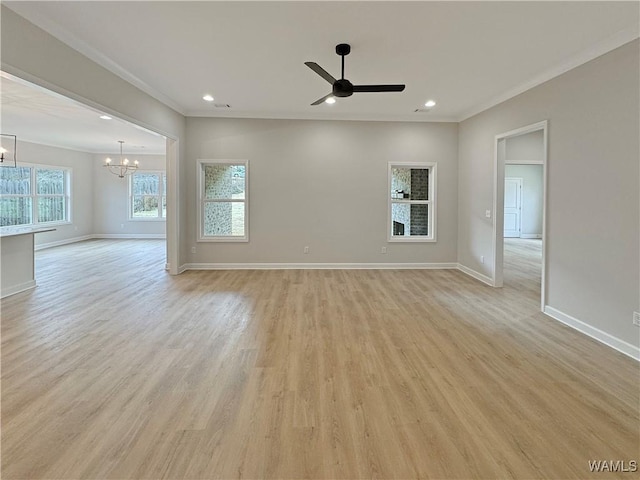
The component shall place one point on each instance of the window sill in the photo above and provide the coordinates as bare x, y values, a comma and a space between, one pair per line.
35, 225
136, 219
244, 239
51, 224
411, 240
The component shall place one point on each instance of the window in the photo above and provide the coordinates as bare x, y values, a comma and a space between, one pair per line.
223, 200
412, 202
148, 196
31, 195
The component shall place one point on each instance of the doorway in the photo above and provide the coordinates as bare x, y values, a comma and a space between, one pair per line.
101, 205
520, 197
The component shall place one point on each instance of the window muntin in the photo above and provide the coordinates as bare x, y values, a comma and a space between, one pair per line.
412, 202
31, 195
223, 200
51, 195
147, 192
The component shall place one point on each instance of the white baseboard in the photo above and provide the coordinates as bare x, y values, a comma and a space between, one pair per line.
316, 266
22, 287
593, 332
182, 268
477, 275
130, 235
530, 235
42, 246
101, 235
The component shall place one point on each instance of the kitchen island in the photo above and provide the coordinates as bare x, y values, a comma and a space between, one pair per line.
17, 259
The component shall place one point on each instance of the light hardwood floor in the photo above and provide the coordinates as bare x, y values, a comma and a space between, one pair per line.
111, 368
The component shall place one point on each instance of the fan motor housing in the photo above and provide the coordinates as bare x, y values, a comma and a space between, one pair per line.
342, 88
343, 49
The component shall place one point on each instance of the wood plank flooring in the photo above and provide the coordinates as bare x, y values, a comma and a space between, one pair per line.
113, 369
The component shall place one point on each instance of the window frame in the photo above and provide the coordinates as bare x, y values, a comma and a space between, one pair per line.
201, 163
34, 196
161, 194
431, 203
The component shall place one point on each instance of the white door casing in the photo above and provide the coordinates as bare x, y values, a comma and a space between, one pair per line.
498, 204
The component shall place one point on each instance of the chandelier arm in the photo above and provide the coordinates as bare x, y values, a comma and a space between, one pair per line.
122, 169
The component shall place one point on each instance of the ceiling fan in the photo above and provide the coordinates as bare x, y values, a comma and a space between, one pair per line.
343, 87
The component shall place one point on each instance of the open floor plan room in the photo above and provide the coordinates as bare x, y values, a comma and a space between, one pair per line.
323, 240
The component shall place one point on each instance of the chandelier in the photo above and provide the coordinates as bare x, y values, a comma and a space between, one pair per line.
8, 144
124, 167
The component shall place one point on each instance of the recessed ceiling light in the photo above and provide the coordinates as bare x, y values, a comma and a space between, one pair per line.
105, 117
331, 100
208, 98
430, 103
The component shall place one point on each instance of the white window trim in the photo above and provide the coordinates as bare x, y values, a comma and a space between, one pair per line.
433, 180
34, 197
161, 194
200, 200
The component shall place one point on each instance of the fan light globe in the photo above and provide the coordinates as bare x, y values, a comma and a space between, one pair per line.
430, 103
330, 100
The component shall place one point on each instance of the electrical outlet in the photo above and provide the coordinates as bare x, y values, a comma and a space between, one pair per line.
481, 258
487, 213
636, 319
383, 250
193, 249
122, 225
306, 249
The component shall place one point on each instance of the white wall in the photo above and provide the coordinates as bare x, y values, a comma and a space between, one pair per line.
81, 184
323, 184
593, 211
111, 199
532, 191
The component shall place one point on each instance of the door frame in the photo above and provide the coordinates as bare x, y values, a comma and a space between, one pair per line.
520, 182
498, 202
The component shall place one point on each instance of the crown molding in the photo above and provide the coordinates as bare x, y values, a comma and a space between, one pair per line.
605, 46
69, 39
413, 117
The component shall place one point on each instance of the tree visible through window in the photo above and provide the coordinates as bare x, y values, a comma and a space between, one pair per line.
147, 195
50, 190
223, 200
32, 195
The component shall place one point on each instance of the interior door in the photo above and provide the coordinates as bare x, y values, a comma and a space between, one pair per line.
512, 206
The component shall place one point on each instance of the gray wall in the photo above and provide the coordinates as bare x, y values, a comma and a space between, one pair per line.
532, 193
110, 198
81, 184
593, 196
323, 184
527, 147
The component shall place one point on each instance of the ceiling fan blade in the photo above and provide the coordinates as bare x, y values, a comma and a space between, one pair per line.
321, 100
378, 88
321, 71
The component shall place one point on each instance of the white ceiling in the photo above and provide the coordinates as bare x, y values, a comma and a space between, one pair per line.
41, 116
465, 55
